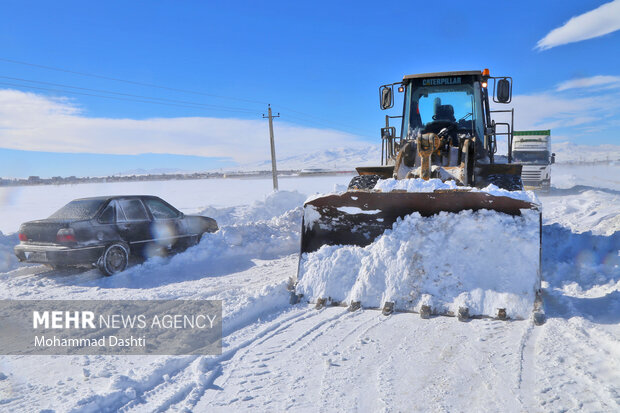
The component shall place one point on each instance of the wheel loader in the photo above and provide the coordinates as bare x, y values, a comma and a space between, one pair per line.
474, 249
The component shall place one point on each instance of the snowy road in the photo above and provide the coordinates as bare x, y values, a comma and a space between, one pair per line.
278, 356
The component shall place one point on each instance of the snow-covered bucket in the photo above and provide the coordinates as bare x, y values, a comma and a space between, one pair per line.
481, 260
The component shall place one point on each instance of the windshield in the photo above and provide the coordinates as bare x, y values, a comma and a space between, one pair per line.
454, 103
442, 105
431, 105
78, 210
537, 157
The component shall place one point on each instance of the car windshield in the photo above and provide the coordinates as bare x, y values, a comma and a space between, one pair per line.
78, 210
537, 157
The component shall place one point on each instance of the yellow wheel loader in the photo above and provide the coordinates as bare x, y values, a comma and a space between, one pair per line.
442, 226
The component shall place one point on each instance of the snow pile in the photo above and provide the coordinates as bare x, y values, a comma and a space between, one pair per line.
229, 250
481, 260
244, 309
413, 185
273, 205
8, 260
527, 196
581, 264
420, 185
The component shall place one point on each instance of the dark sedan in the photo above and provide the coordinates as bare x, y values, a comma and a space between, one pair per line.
106, 231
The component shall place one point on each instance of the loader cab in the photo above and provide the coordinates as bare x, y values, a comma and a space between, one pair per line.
454, 100
459, 100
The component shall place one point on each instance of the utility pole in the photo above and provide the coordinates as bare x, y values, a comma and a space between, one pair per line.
274, 170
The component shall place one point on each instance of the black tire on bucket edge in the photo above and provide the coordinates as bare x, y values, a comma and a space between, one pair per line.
364, 182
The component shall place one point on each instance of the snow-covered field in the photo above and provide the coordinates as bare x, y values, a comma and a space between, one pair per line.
277, 356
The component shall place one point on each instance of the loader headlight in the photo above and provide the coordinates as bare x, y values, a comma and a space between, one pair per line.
485, 77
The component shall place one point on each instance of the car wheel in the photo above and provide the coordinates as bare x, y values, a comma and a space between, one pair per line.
114, 259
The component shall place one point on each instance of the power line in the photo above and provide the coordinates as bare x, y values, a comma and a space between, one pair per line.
168, 102
323, 124
133, 82
128, 94
114, 97
180, 103
307, 114
173, 102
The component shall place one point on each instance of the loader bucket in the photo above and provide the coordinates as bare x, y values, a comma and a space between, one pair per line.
357, 217
452, 252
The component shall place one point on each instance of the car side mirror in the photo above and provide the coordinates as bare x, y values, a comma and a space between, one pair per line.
553, 158
503, 91
386, 97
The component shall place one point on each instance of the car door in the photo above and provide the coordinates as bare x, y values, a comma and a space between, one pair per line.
133, 223
167, 228
104, 227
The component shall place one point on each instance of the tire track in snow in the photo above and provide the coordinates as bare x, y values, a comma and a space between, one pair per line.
252, 350
163, 395
343, 354
591, 382
256, 372
154, 390
330, 323
469, 366
29, 281
281, 327
190, 385
528, 367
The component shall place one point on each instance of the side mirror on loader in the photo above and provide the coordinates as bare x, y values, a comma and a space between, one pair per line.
553, 158
386, 97
503, 91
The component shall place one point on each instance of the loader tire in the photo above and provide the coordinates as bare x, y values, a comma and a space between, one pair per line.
364, 182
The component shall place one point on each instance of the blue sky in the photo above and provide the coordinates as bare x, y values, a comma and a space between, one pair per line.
318, 64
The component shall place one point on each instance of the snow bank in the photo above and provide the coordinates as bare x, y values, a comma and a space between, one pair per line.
273, 205
229, 250
8, 260
420, 185
481, 260
581, 264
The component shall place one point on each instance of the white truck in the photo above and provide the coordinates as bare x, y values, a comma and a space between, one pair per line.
532, 149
